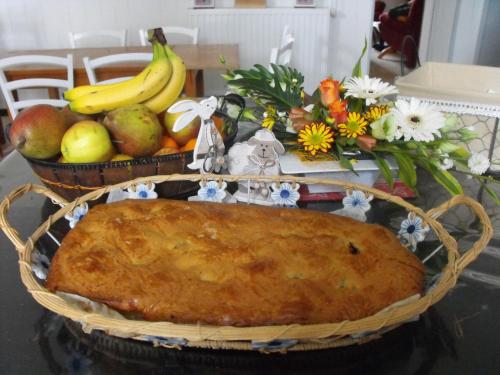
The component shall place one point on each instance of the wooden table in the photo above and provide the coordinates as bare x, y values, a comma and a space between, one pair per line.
196, 57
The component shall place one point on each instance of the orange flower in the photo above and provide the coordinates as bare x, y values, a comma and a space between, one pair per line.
338, 111
366, 142
329, 91
300, 118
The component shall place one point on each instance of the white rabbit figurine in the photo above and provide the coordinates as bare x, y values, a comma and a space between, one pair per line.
208, 153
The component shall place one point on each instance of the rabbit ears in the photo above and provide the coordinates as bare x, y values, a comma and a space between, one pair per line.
190, 109
182, 106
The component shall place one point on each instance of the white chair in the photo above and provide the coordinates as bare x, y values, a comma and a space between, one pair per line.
8, 87
111, 38
172, 30
92, 64
282, 55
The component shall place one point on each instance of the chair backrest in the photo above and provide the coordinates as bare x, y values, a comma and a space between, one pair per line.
112, 38
92, 64
282, 54
9, 86
169, 30
415, 16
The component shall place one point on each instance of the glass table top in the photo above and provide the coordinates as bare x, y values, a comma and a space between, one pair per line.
459, 335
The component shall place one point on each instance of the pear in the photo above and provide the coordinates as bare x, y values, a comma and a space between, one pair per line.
135, 130
72, 118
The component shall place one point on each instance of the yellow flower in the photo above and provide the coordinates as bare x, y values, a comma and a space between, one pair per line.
316, 137
355, 125
374, 112
268, 123
270, 116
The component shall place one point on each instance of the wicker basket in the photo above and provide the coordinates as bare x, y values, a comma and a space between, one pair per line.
74, 180
298, 337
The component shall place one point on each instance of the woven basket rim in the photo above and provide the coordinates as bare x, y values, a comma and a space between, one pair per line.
110, 164
231, 335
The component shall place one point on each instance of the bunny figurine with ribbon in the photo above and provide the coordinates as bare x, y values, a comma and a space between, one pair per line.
208, 153
258, 156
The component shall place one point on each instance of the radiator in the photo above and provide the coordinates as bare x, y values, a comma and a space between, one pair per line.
257, 31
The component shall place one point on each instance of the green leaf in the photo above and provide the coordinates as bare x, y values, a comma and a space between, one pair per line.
357, 72
461, 153
443, 177
356, 105
407, 172
282, 86
385, 169
316, 113
492, 194
344, 162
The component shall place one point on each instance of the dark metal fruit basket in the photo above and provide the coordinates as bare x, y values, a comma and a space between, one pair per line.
74, 180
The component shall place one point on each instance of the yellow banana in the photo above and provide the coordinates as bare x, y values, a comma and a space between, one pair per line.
167, 96
138, 89
80, 91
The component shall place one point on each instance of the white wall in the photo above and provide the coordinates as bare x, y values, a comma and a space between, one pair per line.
35, 24
461, 31
488, 52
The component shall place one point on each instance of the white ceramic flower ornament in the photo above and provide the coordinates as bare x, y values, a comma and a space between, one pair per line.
356, 204
285, 194
413, 230
212, 191
40, 264
142, 191
77, 214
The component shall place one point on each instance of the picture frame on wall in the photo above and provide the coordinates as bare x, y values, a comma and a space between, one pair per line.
199, 4
250, 3
305, 3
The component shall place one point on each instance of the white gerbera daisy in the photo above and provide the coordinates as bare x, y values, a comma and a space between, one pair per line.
417, 120
368, 88
478, 164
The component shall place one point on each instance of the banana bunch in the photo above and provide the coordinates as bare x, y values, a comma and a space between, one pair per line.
157, 86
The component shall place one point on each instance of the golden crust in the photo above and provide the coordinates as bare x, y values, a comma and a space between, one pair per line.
242, 265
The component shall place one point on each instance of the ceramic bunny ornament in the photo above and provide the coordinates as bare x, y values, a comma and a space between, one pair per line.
258, 156
208, 153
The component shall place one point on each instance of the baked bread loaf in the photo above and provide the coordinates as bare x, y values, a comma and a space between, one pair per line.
229, 264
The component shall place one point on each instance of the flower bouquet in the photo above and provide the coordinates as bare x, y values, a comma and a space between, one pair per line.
352, 120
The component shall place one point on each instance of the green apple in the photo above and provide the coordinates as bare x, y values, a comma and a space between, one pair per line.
87, 142
183, 136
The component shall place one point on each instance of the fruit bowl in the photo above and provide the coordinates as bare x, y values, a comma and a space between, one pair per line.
74, 180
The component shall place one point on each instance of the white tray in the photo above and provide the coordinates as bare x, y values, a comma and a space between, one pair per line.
367, 170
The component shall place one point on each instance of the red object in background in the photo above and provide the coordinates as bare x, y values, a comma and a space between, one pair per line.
393, 31
379, 8
400, 190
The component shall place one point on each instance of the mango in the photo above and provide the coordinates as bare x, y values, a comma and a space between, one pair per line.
37, 131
